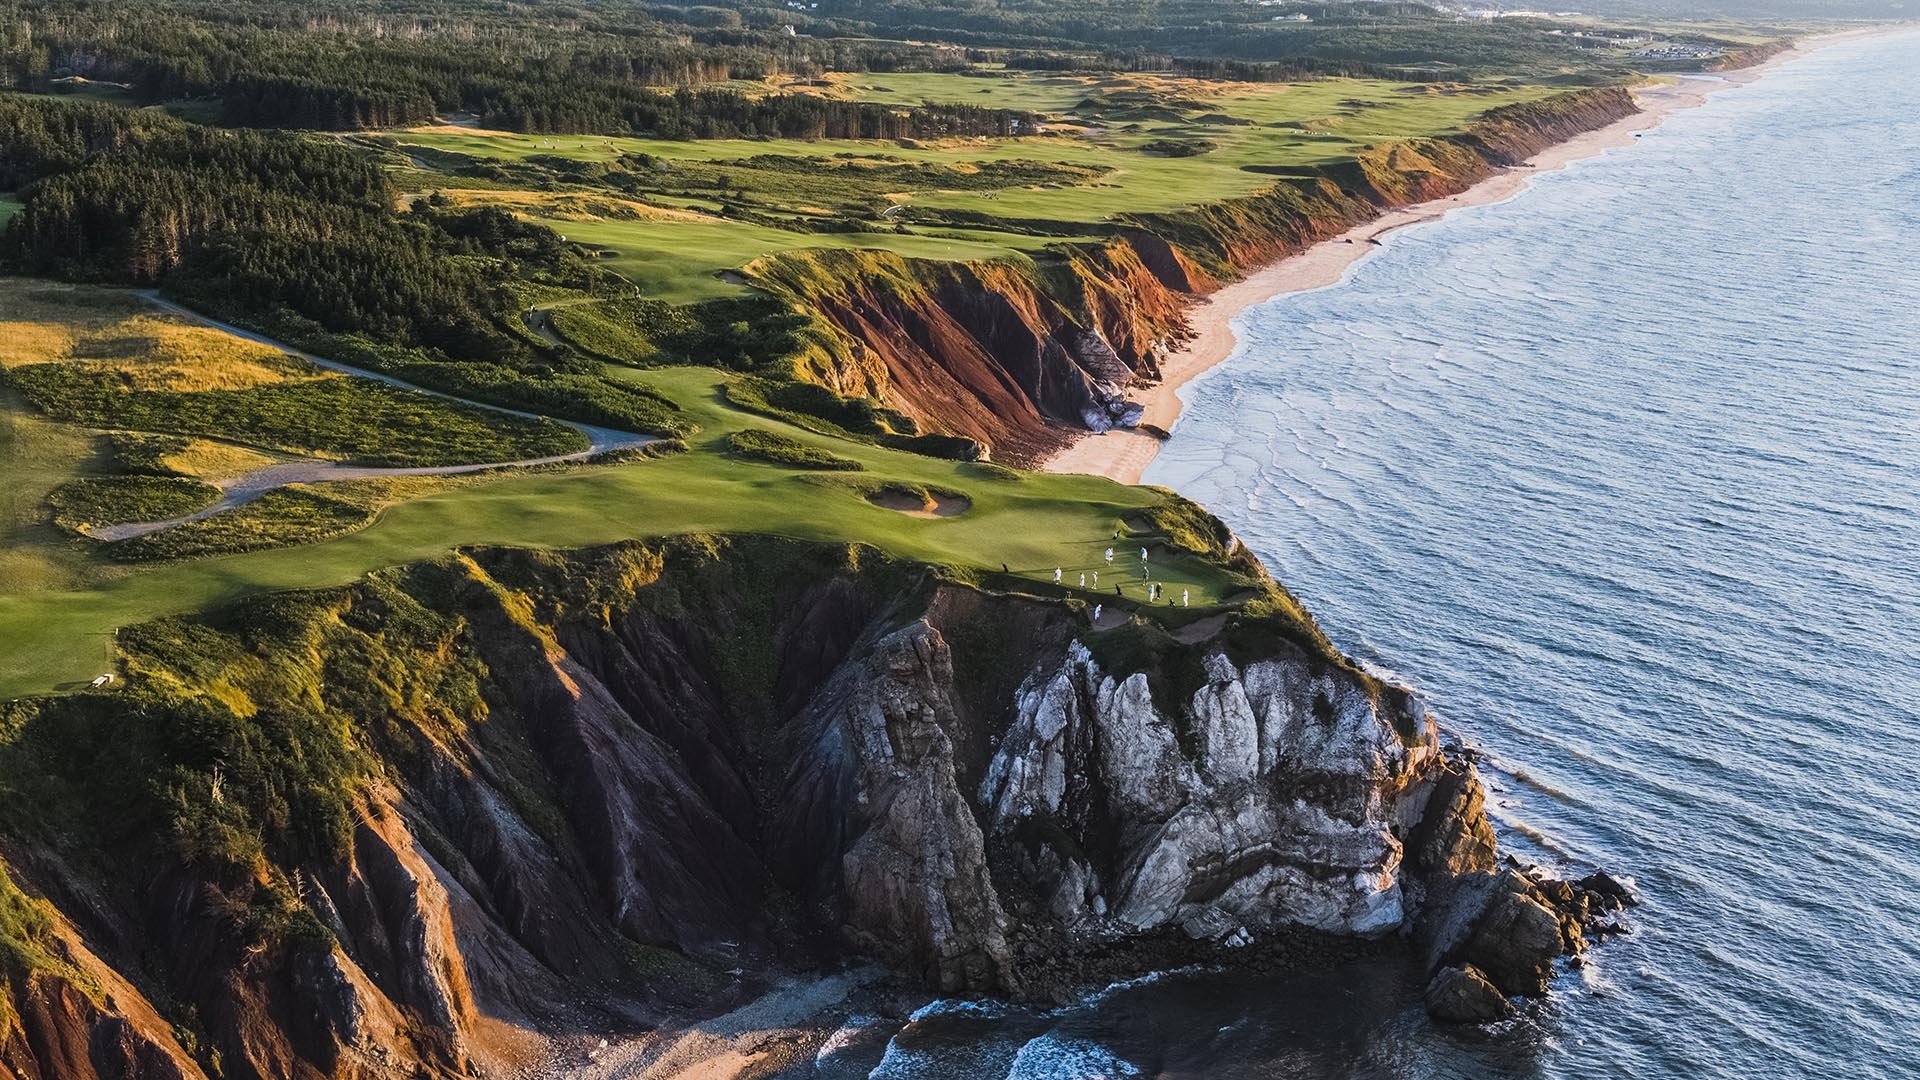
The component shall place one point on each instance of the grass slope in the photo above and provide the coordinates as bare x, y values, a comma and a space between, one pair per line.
1029, 523
109, 500
102, 358
689, 212
1110, 134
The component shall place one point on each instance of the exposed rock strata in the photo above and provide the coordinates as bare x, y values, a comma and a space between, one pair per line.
1021, 357
585, 788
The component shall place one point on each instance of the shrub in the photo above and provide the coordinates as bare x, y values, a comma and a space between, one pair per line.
289, 515
574, 395
818, 409
748, 333
144, 454
988, 470
113, 500
360, 420
628, 455
1178, 147
780, 450
950, 447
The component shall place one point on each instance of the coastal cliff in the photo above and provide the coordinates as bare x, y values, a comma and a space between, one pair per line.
1023, 356
427, 824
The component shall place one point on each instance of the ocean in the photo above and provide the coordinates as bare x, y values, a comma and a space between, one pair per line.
1623, 475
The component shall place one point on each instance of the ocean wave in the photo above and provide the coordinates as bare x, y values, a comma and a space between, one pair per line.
1052, 1057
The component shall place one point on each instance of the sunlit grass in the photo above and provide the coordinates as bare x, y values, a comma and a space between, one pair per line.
683, 249
115, 331
36, 456
1028, 523
210, 460
1290, 124
106, 359
687, 260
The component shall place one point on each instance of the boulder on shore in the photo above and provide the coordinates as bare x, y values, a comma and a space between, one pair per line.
1462, 995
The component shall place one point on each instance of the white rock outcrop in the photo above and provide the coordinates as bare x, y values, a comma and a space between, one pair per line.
1277, 795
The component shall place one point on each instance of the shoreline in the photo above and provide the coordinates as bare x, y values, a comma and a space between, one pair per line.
1123, 454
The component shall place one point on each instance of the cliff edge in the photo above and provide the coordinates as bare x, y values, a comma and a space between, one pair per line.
1023, 355
426, 824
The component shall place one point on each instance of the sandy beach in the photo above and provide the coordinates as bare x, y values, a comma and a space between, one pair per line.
1124, 454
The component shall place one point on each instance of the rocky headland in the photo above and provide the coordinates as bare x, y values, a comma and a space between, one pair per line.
1025, 357
430, 823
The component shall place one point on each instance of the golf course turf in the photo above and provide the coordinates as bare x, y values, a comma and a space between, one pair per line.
56, 636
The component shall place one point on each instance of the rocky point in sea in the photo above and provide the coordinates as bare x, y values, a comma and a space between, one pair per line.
865, 761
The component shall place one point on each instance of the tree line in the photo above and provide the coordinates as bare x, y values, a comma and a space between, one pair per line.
615, 71
298, 233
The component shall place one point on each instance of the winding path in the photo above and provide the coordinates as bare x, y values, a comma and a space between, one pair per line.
236, 491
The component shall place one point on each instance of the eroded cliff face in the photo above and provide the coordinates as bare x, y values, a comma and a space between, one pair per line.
1283, 808
998, 352
420, 825
1024, 357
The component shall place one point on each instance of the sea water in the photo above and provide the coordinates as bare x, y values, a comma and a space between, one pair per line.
1623, 475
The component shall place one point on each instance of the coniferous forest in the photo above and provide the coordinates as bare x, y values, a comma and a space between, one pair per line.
298, 233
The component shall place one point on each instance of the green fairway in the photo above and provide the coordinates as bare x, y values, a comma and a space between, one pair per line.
36, 457
710, 207
678, 219
1027, 90
57, 634
9, 206
1269, 125
682, 260
1124, 144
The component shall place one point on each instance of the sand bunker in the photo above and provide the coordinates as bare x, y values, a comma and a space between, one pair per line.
920, 504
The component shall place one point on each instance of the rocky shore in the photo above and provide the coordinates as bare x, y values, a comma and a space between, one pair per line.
588, 797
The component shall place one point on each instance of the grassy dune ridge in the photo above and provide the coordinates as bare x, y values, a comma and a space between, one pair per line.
105, 359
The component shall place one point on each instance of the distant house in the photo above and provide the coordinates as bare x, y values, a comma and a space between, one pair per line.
1679, 52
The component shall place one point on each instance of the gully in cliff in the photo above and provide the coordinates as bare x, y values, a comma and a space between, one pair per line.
576, 796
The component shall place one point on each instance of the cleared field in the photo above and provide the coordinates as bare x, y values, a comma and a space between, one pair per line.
9, 206
59, 634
